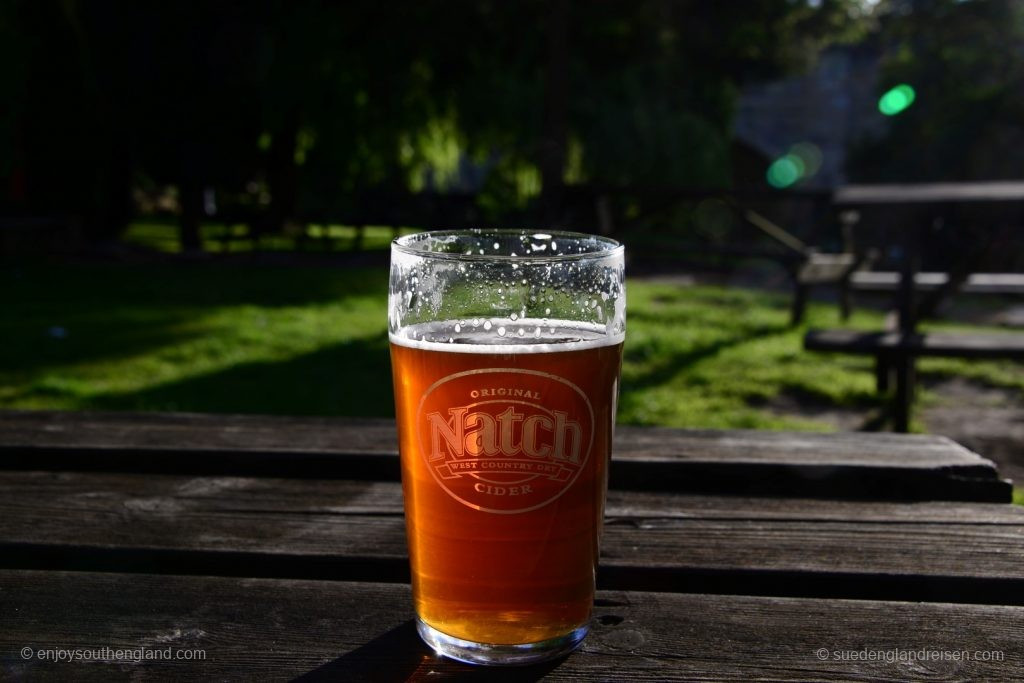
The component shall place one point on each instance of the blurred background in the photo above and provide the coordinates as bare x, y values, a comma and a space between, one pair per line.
196, 198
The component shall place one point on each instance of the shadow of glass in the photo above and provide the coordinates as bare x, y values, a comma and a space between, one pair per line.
400, 655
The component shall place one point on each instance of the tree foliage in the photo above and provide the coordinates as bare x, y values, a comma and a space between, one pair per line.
965, 61
317, 102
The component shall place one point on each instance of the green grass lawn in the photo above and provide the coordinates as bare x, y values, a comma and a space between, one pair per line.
312, 341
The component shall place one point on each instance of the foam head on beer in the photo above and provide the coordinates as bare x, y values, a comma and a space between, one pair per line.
506, 348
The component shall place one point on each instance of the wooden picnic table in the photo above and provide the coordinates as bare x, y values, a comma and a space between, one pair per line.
258, 548
907, 211
921, 205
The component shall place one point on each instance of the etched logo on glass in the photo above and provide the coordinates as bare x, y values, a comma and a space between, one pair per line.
505, 440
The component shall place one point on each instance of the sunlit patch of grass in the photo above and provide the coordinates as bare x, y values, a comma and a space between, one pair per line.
713, 357
83, 337
216, 337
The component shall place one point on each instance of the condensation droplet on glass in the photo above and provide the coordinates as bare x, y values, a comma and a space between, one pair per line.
547, 311
604, 296
458, 328
514, 316
554, 246
521, 332
536, 333
496, 246
515, 266
487, 324
501, 331
476, 322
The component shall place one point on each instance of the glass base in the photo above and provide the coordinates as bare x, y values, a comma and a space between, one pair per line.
493, 654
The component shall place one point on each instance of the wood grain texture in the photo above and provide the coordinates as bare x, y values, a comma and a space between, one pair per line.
869, 466
930, 193
183, 432
955, 552
252, 629
976, 283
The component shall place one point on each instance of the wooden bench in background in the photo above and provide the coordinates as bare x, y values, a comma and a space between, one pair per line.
895, 353
910, 210
975, 283
814, 268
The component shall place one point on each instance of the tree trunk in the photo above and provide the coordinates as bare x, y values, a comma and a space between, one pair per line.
282, 174
555, 137
191, 187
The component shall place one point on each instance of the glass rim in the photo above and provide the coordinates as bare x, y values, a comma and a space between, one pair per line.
610, 247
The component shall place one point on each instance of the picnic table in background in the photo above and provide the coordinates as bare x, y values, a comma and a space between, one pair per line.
254, 547
908, 211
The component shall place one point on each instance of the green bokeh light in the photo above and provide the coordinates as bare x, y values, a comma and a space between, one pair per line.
810, 154
896, 99
785, 171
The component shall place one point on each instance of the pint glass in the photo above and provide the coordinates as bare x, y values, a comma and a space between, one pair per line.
505, 352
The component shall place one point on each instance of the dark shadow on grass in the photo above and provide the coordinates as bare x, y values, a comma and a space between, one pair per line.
68, 314
353, 379
859, 412
810, 398
73, 337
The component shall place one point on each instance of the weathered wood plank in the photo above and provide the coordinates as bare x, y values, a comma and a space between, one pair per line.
873, 466
930, 193
184, 432
251, 629
954, 552
799, 464
976, 283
